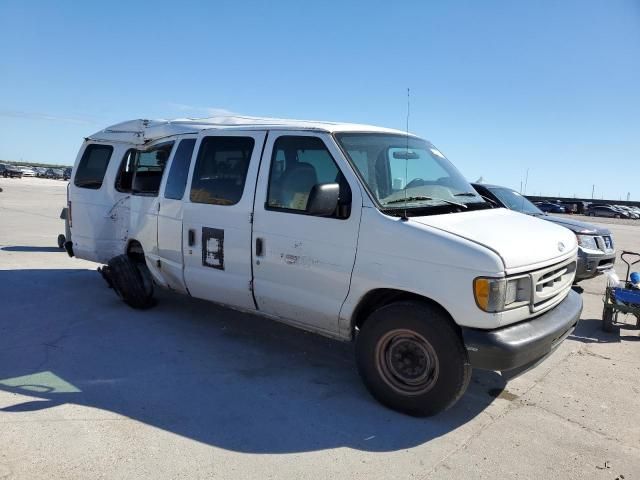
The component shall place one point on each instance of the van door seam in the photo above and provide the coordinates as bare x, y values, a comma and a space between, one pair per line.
252, 223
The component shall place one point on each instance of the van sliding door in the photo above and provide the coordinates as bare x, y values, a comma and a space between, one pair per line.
217, 216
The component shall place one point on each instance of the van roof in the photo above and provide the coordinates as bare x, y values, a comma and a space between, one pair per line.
143, 131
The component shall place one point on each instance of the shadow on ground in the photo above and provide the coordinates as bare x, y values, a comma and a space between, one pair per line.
25, 248
590, 330
227, 379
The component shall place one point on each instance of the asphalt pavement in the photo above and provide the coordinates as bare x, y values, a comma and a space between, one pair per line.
90, 388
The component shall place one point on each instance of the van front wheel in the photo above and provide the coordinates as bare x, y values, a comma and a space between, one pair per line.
132, 281
411, 358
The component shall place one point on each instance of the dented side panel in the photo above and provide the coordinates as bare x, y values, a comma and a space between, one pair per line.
99, 229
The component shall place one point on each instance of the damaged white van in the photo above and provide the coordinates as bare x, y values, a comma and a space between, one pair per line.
351, 231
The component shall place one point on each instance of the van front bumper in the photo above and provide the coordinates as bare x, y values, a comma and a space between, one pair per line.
524, 343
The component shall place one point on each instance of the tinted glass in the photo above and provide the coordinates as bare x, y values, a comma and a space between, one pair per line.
125, 174
221, 170
297, 164
141, 170
515, 201
93, 165
149, 167
177, 179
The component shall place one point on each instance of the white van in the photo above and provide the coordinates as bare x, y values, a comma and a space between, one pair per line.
351, 231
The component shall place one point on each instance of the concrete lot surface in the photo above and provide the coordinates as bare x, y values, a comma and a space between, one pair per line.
90, 388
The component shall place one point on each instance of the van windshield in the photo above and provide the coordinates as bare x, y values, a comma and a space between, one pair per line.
407, 172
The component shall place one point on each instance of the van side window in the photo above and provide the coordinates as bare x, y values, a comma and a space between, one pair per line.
92, 166
141, 170
221, 170
297, 165
177, 178
125, 174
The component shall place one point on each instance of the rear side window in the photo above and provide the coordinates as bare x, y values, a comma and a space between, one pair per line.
141, 170
177, 179
221, 170
92, 166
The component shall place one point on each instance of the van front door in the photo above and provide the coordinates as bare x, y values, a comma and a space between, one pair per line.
303, 262
217, 217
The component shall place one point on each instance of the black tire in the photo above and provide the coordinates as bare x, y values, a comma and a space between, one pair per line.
61, 241
132, 282
607, 320
412, 359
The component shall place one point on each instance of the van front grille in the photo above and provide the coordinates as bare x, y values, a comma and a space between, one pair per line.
551, 284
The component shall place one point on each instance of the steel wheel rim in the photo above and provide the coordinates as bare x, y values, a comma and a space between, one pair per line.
407, 362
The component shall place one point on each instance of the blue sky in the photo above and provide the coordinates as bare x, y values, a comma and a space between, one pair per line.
498, 86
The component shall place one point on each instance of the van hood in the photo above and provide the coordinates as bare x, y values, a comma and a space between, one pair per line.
519, 239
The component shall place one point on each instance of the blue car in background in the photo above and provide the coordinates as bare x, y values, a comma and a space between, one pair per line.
550, 207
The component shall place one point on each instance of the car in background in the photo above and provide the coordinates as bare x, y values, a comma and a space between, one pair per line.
54, 173
66, 174
607, 211
596, 252
550, 207
59, 173
629, 210
9, 171
40, 171
28, 172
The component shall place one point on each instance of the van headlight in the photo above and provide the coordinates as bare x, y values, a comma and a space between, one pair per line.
498, 294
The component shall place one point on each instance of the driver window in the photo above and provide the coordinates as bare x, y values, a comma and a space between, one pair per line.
297, 165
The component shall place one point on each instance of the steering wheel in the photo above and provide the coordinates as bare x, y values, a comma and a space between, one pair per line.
416, 182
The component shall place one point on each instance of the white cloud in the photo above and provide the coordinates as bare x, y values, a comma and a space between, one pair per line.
208, 111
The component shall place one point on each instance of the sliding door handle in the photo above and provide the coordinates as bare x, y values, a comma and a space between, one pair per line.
191, 237
259, 247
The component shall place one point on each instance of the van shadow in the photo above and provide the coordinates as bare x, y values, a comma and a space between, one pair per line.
224, 378
25, 248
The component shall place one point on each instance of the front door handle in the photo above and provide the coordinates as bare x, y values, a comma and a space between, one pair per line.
259, 247
191, 237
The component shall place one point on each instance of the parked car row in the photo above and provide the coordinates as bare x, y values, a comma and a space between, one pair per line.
614, 211
16, 171
589, 209
55, 173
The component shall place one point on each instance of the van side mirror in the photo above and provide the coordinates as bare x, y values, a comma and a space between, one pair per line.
323, 199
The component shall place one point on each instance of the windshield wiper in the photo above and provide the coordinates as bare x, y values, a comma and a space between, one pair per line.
414, 199
466, 194
408, 199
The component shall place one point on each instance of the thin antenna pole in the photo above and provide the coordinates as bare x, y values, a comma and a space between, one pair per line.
406, 157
